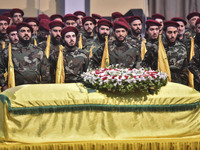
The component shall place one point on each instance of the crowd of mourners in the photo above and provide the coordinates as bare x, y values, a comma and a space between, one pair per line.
36, 41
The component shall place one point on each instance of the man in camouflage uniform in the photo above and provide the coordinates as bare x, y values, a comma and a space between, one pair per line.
160, 18
34, 23
176, 54
103, 29
75, 60
17, 15
12, 34
55, 33
80, 15
135, 37
30, 63
192, 17
4, 22
120, 52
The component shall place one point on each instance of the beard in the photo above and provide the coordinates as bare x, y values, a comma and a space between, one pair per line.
25, 39
120, 38
137, 31
56, 40
71, 44
102, 36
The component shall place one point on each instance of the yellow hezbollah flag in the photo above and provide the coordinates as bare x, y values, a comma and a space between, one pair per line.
191, 76
163, 64
47, 50
91, 48
105, 59
35, 42
11, 73
60, 73
80, 44
143, 48
3, 44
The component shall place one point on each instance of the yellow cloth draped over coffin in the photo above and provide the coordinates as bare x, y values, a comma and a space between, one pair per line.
71, 112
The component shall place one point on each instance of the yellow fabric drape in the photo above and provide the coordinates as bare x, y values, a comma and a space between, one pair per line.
47, 50
143, 48
105, 58
3, 44
80, 43
35, 42
60, 73
91, 48
163, 64
11, 72
190, 75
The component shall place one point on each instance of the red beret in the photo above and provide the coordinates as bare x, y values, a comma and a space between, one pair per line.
190, 15
80, 13
179, 19
11, 28
96, 16
56, 23
31, 19
151, 22
70, 17
16, 10
197, 21
7, 14
104, 22
24, 24
123, 20
155, 16
127, 18
43, 16
44, 24
5, 19
88, 18
69, 29
133, 18
116, 15
120, 24
53, 17
171, 24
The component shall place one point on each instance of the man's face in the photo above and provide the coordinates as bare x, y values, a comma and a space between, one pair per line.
192, 21
17, 18
120, 34
198, 28
13, 37
3, 26
70, 39
43, 34
34, 26
136, 26
171, 34
24, 34
56, 33
103, 31
181, 28
71, 23
79, 21
161, 22
89, 26
153, 32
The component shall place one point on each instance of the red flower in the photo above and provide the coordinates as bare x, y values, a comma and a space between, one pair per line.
126, 77
104, 78
120, 77
113, 77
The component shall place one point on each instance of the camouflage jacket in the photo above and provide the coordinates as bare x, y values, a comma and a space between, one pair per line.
177, 59
53, 47
89, 39
189, 32
194, 67
75, 63
29, 62
135, 41
119, 53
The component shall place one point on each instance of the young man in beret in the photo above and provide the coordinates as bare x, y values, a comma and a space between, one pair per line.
192, 17
17, 15
120, 52
29, 61
12, 34
176, 54
34, 23
135, 38
4, 22
80, 15
160, 18
103, 29
70, 20
55, 33
75, 60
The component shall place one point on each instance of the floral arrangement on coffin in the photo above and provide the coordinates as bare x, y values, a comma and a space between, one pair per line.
125, 80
